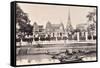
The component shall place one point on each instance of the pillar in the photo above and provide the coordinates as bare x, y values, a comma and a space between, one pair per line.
86, 35
91, 35
78, 36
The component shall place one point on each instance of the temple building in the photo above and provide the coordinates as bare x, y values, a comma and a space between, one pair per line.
38, 30
54, 30
69, 27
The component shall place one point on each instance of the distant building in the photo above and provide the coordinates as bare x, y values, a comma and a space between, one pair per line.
38, 30
90, 29
82, 27
35, 28
54, 30
69, 27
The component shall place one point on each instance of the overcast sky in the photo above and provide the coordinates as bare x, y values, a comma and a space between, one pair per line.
55, 14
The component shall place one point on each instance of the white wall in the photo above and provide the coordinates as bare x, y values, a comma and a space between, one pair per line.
5, 34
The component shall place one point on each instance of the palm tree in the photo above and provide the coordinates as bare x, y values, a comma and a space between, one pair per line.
92, 26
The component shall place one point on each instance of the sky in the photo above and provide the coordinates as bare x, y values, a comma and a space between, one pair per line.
55, 14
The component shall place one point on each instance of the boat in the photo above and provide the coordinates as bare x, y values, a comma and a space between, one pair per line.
63, 58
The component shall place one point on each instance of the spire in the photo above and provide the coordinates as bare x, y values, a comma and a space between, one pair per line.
69, 20
69, 26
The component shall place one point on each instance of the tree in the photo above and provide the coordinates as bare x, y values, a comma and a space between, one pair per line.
91, 17
92, 26
22, 21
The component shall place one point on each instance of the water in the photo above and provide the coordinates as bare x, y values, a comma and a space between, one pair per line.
44, 59
36, 59
40, 56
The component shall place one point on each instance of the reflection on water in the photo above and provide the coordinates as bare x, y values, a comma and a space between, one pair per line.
45, 60
86, 54
36, 59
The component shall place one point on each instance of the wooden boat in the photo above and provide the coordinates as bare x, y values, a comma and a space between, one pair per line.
67, 58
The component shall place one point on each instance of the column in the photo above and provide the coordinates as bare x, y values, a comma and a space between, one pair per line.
86, 35
92, 35
56, 35
78, 36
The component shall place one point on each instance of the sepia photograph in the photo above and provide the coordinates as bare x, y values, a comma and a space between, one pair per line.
50, 33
